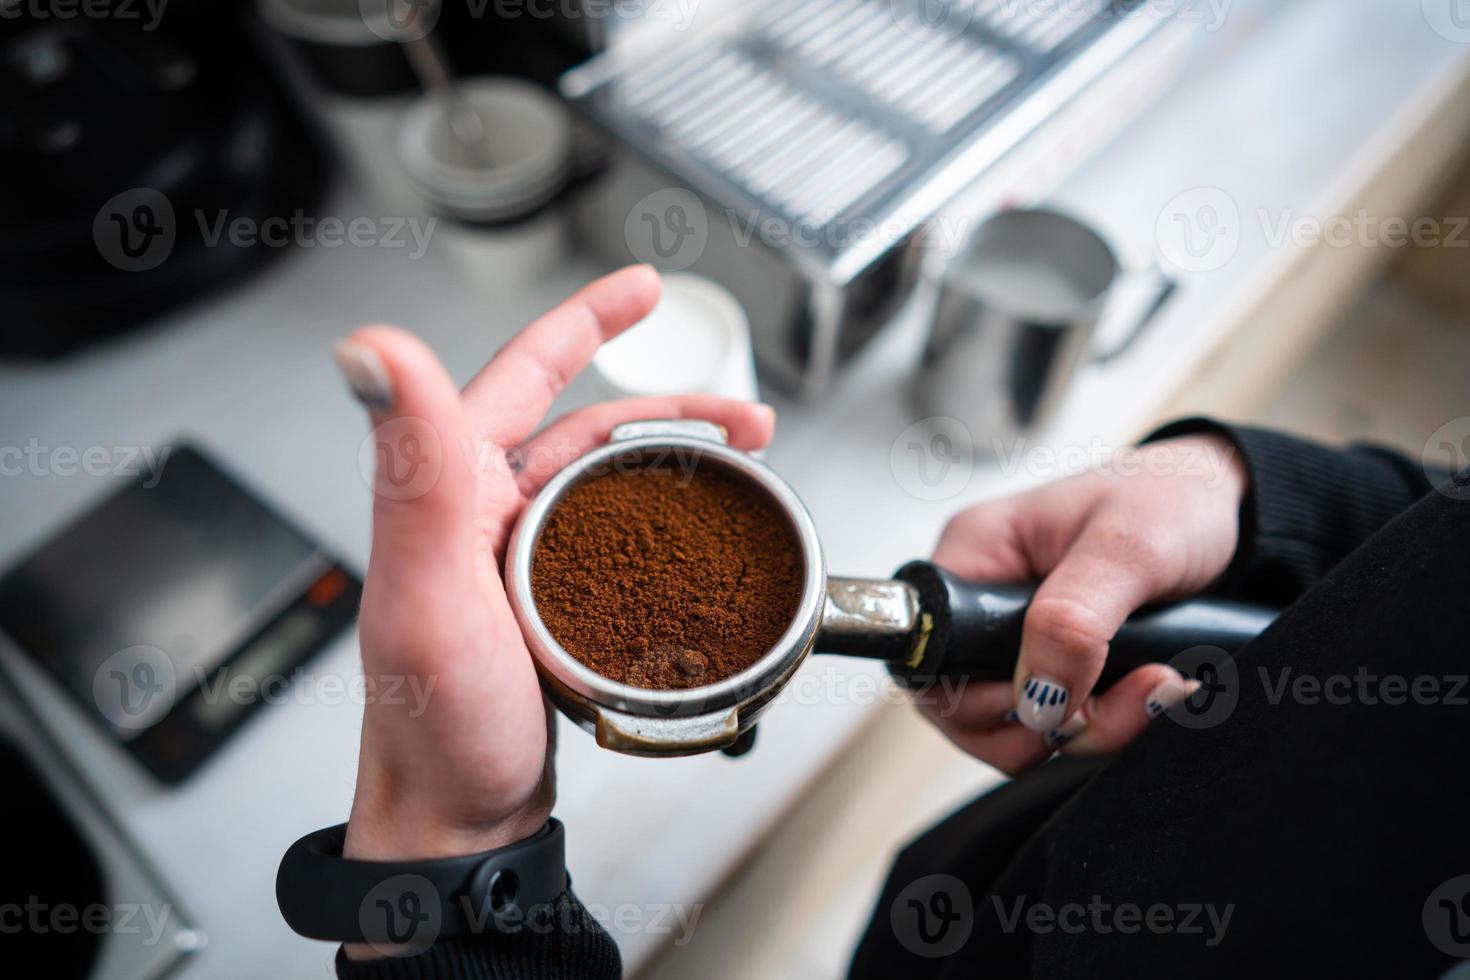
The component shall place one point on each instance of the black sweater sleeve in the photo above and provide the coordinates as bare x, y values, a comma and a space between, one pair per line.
567, 945
1308, 505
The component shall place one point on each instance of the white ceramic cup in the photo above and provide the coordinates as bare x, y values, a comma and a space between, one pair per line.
697, 340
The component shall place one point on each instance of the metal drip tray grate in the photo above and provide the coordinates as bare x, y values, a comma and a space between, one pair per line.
826, 113
760, 131
915, 68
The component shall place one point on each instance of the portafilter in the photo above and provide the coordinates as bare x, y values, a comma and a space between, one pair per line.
926, 623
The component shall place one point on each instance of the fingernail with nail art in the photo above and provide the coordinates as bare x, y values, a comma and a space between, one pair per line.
1043, 703
1058, 737
366, 374
1167, 694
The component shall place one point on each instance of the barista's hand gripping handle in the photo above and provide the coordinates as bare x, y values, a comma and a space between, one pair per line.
974, 630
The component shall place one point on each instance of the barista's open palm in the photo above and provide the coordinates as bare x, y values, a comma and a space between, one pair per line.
470, 768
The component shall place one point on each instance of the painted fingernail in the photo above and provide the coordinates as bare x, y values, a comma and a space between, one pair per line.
1073, 727
366, 374
515, 459
1012, 716
1043, 703
1169, 692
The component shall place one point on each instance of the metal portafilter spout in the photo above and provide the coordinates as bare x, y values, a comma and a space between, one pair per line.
929, 623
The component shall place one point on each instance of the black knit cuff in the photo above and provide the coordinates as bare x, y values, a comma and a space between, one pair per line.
1307, 505
568, 944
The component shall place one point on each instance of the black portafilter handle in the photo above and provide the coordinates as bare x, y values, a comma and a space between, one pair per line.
976, 629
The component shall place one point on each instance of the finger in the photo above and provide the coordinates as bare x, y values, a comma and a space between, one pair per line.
424, 495
1120, 715
984, 544
749, 425
978, 723
1110, 571
513, 393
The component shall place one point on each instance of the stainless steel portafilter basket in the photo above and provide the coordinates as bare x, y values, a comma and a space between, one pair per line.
926, 623
647, 722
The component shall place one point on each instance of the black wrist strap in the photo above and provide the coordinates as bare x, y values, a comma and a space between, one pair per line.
415, 903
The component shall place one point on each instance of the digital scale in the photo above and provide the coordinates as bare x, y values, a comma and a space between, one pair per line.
176, 608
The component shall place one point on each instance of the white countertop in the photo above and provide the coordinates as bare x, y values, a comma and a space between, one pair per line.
1278, 111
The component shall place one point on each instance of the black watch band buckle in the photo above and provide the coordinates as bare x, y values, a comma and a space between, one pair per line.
323, 895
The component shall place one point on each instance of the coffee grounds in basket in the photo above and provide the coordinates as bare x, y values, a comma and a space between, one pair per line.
667, 577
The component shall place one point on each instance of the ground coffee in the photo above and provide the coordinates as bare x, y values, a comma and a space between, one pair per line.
666, 577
